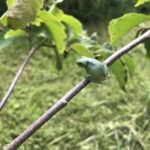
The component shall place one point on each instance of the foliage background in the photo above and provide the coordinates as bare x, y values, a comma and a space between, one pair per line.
101, 11
100, 117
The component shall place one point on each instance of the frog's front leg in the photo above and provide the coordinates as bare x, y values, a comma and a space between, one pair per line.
88, 77
91, 79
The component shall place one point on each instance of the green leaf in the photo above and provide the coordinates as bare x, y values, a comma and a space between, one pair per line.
15, 33
81, 49
120, 26
123, 69
10, 3
58, 13
23, 12
119, 71
3, 20
140, 2
130, 64
75, 25
5, 42
147, 47
37, 22
56, 29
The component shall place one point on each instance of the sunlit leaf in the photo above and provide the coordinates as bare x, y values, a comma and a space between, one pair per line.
23, 12
37, 22
4, 42
9, 3
75, 25
81, 49
15, 33
3, 20
58, 13
140, 2
56, 29
120, 26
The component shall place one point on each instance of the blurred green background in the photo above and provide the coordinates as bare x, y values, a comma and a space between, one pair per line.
100, 117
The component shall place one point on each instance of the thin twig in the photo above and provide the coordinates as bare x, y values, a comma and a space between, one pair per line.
20, 71
69, 95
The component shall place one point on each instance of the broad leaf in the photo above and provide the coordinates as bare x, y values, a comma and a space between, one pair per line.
103, 53
123, 69
23, 12
9, 3
15, 33
81, 49
119, 72
37, 22
140, 2
3, 20
58, 13
56, 29
120, 26
75, 25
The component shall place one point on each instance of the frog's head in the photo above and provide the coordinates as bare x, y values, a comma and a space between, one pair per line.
82, 62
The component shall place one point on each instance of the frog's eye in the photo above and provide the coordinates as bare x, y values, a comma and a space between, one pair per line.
89, 63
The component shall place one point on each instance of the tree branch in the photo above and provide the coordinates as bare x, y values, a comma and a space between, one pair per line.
69, 95
16, 78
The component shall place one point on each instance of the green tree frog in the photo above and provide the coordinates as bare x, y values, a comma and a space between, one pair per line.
96, 70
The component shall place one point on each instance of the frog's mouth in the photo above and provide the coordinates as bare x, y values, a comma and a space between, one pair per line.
79, 63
